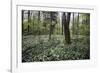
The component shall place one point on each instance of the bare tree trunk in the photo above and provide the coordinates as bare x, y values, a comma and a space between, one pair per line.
33, 22
28, 15
62, 25
66, 27
28, 27
50, 26
77, 25
73, 26
22, 22
44, 22
39, 22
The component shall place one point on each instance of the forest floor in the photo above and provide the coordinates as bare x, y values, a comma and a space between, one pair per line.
41, 48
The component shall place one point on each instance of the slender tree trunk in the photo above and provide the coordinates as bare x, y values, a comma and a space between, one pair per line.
39, 25
62, 29
66, 23
28, 27
39, 22
73, 26
62, 25
77, 24
50, 26
59, 28
33, 23
28, 15
22, 22
45, 22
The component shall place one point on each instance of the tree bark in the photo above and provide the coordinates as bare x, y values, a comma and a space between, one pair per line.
33, 23
22, 22
66, 23
28, 15
73, 26
50, 26
77, 24
62, 25
39, 22
28, 29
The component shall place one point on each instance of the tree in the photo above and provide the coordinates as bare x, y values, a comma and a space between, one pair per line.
62, 25
28, 27
22, 21
53, 20
77, 24
73, 26
44, 21
66, 27
33, 21
28, 15
38, 22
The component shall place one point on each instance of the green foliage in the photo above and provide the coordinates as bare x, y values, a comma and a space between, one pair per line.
55, 50
37, 46
84, 30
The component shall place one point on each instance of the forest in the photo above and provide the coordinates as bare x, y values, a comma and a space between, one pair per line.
55, 36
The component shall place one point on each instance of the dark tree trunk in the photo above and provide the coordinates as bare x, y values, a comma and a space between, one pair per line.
38, 16
38, 22
33, 23
22, 21
77, 24
44, 23
62, 29
73, 26
62, 25
66, 23
28, 29
50, 26
28, 15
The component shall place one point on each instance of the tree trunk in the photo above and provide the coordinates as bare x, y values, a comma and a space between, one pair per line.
62, 25
44, 22
28, 15
66, 23
77, 25
39, 22
28, 29
73, 26
50, 26
22, 22
33, 23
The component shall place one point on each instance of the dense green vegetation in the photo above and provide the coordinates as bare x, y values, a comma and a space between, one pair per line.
55, 36
54, 50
